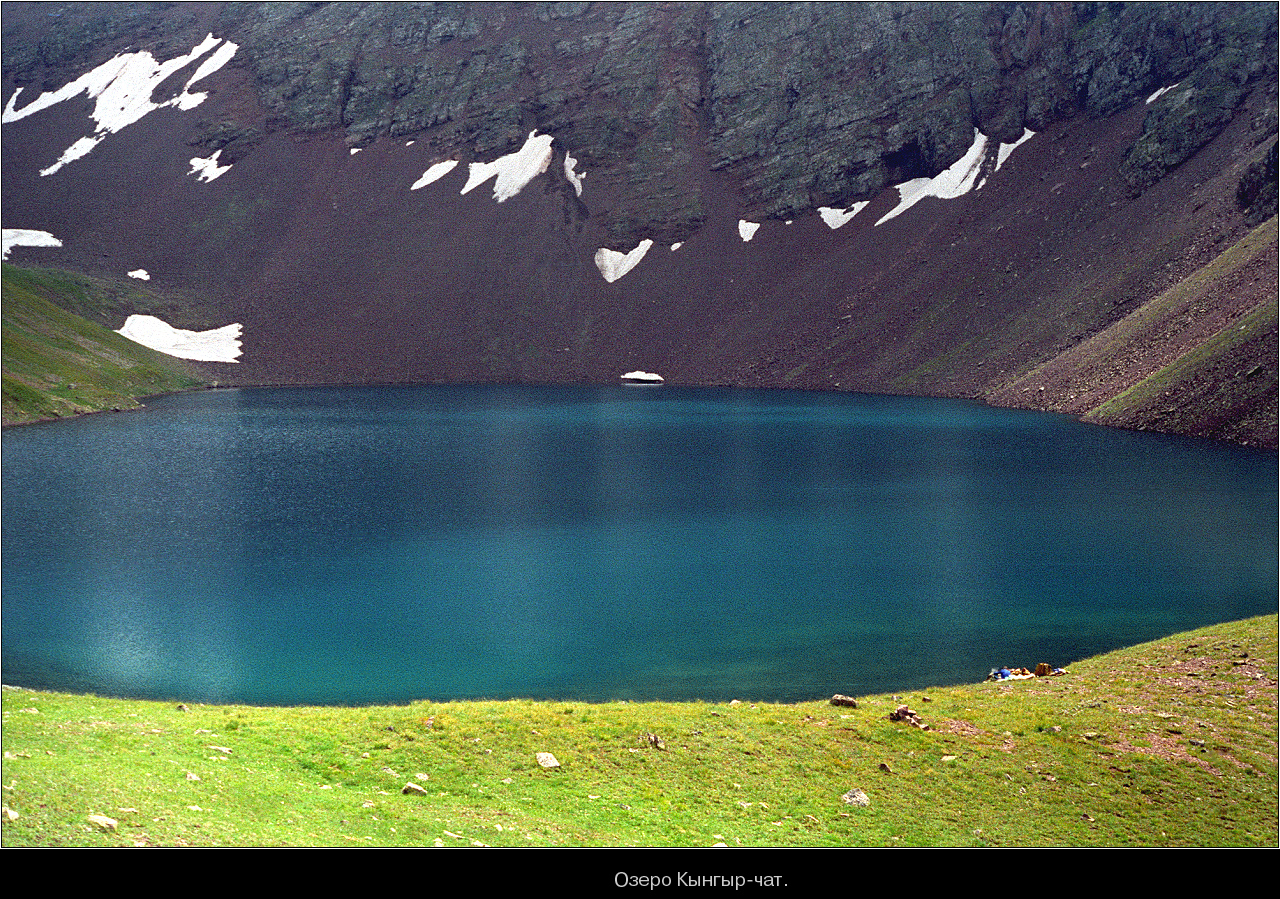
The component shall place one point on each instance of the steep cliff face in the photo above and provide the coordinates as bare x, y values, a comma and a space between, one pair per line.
1000, 181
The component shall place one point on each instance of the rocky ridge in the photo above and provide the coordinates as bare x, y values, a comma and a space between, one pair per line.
1154, 151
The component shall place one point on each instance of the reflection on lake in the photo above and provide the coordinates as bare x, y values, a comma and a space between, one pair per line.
362, 545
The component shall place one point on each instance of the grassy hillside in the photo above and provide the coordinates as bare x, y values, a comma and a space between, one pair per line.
1199, 358
1168, 743
58, 363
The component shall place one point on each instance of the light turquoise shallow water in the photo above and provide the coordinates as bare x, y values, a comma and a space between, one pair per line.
385, 544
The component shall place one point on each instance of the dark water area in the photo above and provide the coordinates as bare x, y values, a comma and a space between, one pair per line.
379, 545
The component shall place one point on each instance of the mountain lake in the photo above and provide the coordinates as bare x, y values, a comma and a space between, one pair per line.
379, 545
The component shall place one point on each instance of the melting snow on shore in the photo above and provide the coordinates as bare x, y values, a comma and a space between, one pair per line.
647, 377
141, 274
219, 345
208, 169
122, 89
435, 173
514, 170
960, 178
613, 265
24, 237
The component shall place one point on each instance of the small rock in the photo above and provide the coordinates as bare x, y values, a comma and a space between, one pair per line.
182, 707
884, 766
547, 760
102, 822
841, 699
414, 789
9, 814
655, 741
192, 776
857, 797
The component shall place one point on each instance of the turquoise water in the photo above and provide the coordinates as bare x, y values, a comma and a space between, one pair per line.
386, 544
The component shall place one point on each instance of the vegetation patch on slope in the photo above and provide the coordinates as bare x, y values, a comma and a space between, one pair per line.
1198, 359
57, 363
1167, 743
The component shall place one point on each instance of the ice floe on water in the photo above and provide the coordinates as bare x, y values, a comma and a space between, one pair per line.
435, 173
141, 274
959, 178
613, 265
837, 217
747, 230
575, 178
208, 169
514, 170
219, 345
25, 237
122, 89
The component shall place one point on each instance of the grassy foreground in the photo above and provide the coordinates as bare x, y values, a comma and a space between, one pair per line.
1169, 743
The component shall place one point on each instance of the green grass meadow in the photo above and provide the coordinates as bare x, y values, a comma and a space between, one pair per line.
1171, 743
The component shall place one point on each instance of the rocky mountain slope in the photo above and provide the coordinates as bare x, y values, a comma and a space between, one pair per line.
1042, 205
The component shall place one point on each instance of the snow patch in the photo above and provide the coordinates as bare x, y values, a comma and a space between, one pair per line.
25, 237
435, 173
219, 345
677, 245
646, 376
574, 178
514, 170
1007, 149
141, 274
747, 230
956, 181
838, 217
122, 88
354, 151
1160, 93
208, 169
613, 265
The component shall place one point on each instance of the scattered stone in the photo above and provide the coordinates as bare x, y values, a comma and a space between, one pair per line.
9, 814
182, 707
655, 741
841, 699
192, 776
902, 713
948, 758
857, 797
414, 789
102, 822
224, 750
547, 760
735, 702
421, 776
884, 766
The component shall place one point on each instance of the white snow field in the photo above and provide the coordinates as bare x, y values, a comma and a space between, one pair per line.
613, 265
122, 89
435, 173
219, 345
575, 178
960, 178
514, 170
837, 217
25, 237
208, 169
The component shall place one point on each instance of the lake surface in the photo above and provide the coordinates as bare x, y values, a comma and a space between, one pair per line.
376, 545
